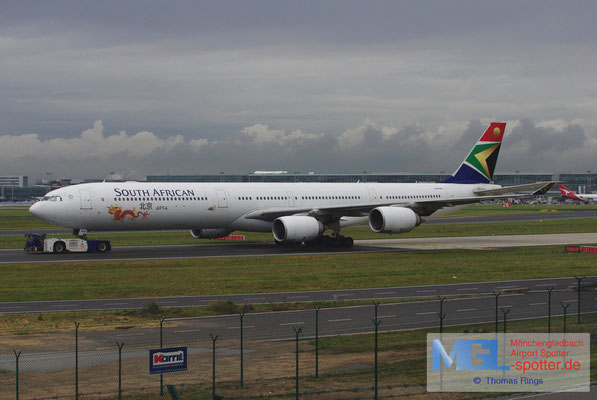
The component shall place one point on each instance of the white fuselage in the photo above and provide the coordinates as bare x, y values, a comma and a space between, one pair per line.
150, 206
587, 197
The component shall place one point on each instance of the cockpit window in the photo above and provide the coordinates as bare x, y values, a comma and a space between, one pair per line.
51, 198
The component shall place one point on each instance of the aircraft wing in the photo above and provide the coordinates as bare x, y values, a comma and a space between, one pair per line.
270, 214
421, 206
537, 188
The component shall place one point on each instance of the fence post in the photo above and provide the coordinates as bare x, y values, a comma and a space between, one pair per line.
496, 293
376, 323
441, 314
505, 311
161, 319
565, 306
213, 367
297, 331
120, 346
317, 308
242, 314
77, 360
579, 279
17, 355
549, 290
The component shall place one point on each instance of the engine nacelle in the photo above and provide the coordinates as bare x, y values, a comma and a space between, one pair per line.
296, 229
209, 233
393, 219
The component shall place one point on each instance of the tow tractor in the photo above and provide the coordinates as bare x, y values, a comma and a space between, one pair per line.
38, 242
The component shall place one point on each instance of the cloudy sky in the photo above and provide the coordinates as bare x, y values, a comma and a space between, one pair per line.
152, 87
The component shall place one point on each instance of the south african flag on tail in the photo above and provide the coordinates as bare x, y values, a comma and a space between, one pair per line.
479, 165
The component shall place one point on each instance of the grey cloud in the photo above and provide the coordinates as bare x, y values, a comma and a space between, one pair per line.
547, 140
547, 146
328, 86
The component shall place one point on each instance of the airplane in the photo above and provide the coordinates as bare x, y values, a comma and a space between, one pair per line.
295, 213
576, 196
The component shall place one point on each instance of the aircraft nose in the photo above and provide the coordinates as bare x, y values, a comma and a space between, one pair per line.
38, 211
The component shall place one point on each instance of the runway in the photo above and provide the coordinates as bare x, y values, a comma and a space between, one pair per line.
226, 250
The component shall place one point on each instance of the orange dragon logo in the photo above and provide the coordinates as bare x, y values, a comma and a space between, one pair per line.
119, 215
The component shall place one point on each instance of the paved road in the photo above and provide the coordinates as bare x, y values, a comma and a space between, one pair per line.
224, 250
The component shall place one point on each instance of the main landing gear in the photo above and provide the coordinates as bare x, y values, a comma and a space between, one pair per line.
329, 241
338, 242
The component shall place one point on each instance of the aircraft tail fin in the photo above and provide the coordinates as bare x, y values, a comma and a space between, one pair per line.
567, 192
480, 163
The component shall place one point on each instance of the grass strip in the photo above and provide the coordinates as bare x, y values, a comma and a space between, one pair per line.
277, 274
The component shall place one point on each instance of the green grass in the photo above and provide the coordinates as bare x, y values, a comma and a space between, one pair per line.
275, 274
494, 209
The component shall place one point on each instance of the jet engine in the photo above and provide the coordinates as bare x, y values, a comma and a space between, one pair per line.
393, 219
209, 233
296, 229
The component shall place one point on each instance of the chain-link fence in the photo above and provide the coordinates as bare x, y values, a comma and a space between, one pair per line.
256, 353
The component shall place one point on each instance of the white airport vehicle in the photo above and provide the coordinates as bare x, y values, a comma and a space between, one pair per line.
40, 243
293, 212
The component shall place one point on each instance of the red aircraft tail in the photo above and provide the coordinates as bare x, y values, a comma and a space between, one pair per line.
567, 192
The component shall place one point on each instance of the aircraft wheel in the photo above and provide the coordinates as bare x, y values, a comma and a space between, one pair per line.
348, 242
59, 247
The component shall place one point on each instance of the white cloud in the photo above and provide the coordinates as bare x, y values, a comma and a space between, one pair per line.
90, 144
261, 133
557, 125
545, 146
356, 136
